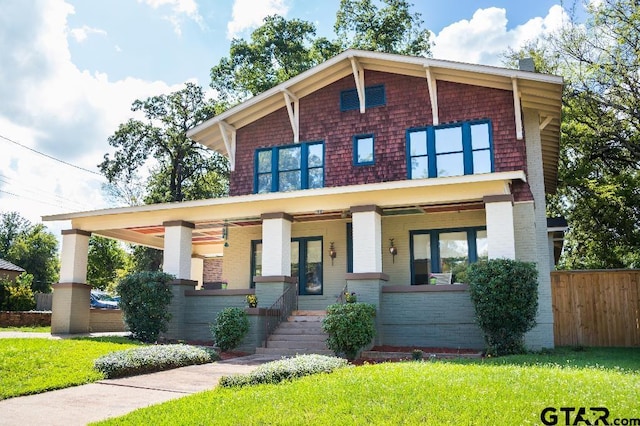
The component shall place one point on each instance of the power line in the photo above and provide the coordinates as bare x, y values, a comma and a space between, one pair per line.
32, 199
39, 192
50, 157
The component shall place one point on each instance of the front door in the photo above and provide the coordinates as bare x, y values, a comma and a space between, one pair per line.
306, 264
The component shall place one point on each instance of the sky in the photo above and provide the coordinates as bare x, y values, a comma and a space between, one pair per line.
70, 70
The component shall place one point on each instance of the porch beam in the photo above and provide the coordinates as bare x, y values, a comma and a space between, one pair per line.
358, 76
294, 113
228, 133
433, 95
517, 108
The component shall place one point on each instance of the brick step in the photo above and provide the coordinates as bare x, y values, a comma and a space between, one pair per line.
312, 325
305, 318
311, 337
309, 313
292, 352
298, 332
296, 344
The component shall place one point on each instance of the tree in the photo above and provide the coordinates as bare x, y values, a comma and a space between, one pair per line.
11, 226
107, 262
180, 163
36, 250
361, 24
278, 50
599, 167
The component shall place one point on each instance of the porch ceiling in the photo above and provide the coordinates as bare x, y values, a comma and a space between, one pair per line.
143, 224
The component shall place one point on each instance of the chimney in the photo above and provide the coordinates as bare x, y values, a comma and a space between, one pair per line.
526, 64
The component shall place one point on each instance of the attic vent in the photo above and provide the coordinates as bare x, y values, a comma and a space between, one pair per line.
374, 96
526, 64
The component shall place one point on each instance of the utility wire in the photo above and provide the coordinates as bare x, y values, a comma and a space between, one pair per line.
50, 157
32, 199
37, 191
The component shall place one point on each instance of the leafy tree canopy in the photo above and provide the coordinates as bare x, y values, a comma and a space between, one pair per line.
107, 262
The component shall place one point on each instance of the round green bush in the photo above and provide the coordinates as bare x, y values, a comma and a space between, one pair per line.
504, 293
231, 325
350, 326
144, 300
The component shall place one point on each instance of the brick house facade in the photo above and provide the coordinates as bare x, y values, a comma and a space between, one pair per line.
370, 172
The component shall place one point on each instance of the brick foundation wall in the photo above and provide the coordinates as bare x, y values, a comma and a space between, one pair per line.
407, 106
25, 319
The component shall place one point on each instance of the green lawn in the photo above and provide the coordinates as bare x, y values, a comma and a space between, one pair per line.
34, 329
30, 366
509, 390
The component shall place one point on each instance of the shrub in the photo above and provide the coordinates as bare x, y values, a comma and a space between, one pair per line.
505, 297
17, 295
231, 325
285, 369
350, 326
149, 359
144, 300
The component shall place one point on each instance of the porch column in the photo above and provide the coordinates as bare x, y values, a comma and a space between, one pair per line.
367, 239
500, 229
367, 278
177, 262
70, 310
276, 258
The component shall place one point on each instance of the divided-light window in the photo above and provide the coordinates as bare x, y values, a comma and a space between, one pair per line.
450, 150
289, 168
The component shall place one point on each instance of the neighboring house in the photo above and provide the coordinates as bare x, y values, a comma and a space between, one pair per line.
9, 271
371, 172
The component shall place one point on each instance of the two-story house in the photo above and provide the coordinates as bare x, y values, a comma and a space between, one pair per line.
370, 172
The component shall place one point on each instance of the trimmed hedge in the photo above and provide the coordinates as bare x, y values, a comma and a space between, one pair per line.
285, 369
229, 328
149, 359
351, 327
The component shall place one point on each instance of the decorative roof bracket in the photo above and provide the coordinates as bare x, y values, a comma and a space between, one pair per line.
229, 137
517, 107
433, 95
294, 113
358, 75
545, 123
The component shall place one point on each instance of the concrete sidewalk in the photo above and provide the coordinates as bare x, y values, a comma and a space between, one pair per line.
80, 405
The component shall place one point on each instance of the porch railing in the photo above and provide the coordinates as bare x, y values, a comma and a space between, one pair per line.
341, 297
280, 310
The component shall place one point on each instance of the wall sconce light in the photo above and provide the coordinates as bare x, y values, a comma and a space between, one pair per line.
392, 249
332, 252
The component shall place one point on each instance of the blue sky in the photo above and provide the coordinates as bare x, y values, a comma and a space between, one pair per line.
70, 69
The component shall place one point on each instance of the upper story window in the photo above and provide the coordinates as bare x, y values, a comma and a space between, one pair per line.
450, 150
363, 150
373, 96
289, 168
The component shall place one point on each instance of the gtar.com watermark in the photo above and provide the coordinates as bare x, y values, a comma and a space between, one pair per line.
570, 416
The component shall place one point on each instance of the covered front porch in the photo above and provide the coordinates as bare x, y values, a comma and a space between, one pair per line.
325, 240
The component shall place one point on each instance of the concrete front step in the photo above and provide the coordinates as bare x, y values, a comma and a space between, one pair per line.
296, 344
301, 337
305, 318
292, 351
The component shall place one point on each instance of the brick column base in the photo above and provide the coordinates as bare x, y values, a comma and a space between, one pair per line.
269, 289
70, 309
175, 328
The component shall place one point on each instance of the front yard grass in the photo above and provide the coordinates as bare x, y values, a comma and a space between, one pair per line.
28, 329
29, 366
506, 390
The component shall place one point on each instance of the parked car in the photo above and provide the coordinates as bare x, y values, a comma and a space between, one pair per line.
102, 300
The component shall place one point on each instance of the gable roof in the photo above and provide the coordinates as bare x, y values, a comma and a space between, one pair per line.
8, 266
541, 92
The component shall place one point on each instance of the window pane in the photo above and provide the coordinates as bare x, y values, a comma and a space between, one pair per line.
289, 158
364, 147
418, 143
264, 161
450, 164
313, 266
257, 261
448, 139
421, 258
454, 252
289, 181
315, 155
482, 161
419, 168
316, 178
480, 136
295, 258
482, 243
264, 183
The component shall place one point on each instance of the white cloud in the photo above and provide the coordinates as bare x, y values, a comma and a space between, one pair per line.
81, 34
179, 9
248, 14
50, 105
485, 37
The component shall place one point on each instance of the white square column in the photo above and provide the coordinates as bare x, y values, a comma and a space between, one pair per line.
276, 244
74, 256
500, 230
367, 239
177, 248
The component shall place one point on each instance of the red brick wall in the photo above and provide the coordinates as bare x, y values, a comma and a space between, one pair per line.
408, 105
212, 269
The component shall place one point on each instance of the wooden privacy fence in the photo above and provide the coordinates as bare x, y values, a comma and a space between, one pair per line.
596, 308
